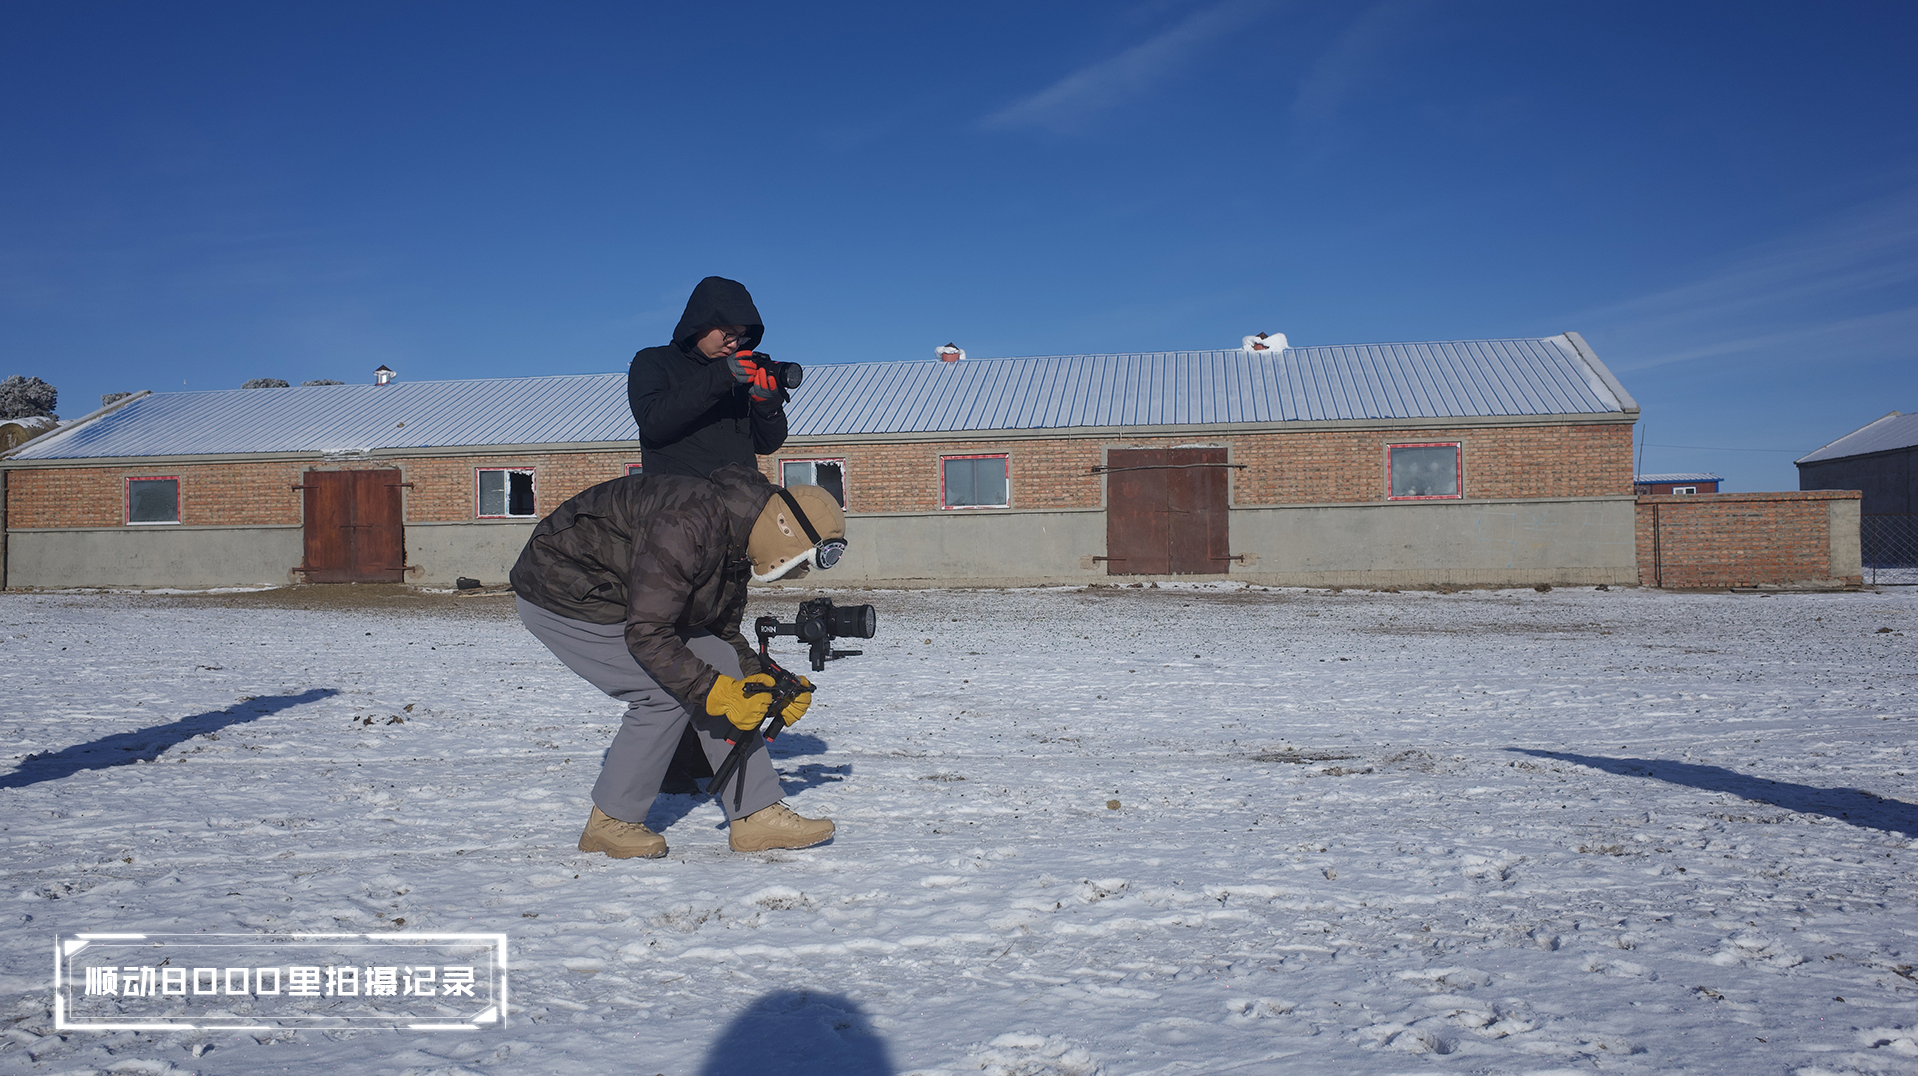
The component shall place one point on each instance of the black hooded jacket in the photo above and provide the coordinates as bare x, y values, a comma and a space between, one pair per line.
694, 418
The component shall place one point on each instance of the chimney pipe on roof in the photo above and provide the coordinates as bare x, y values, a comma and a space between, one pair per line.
950, 353
1264, 342
383, 376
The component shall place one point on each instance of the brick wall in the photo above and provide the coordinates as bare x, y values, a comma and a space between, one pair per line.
1738, 539
1312, 467
1315, 467
262, 493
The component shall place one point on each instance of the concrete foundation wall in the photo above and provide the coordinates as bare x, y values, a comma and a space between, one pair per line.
1428, 543
1458, 543
154, 557
445, 551
959, 548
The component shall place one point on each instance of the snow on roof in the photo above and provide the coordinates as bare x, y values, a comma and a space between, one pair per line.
1894, 431
1555, 375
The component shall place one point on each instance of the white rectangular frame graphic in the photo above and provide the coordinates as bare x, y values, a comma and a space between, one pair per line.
492, 1015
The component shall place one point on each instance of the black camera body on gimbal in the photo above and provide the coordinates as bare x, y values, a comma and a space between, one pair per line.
820, 622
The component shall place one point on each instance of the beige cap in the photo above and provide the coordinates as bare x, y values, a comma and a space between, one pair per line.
779, 541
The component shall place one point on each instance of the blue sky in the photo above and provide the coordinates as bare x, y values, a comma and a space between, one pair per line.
1722, 197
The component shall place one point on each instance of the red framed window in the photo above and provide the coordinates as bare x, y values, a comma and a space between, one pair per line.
153, 500
829, 475
975, 481
635, 468
505, 493
1424, 472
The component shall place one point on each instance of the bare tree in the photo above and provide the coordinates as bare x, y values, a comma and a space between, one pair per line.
266, 383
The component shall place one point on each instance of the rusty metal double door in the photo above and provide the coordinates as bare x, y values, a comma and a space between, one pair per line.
355, 529
1167, 511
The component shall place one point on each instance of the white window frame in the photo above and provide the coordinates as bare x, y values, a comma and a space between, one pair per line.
532, 475
126, 500
1684, 489
1458, 463
944, 459
812, 479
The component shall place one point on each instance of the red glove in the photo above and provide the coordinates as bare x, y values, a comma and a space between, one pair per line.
756, 370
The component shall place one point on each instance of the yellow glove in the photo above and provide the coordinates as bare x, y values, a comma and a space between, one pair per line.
728, 699
796, 709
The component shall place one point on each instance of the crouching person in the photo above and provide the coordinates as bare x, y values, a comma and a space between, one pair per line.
639, 585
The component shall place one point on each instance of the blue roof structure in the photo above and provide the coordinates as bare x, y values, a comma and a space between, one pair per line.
1556, 375
1678, 476
1888, 434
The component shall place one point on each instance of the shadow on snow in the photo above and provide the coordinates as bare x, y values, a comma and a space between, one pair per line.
145, 745
800, 1033
1853, 805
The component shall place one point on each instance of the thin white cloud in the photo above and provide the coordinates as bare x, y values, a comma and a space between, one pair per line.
1354, 59
1096, 88
1834, 289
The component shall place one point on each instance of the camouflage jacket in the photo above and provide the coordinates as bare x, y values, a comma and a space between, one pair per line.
666, 554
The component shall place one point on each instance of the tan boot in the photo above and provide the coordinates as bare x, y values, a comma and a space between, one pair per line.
777, 827
621, 840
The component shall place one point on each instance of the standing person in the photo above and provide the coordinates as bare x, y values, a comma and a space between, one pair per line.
699, 406
639, 585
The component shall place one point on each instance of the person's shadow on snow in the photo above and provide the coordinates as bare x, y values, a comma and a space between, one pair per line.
671, 808
800, 1033
1853, 805
147, 744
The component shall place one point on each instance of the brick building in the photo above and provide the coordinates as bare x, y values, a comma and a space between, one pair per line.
418, 482
1468, 462
1471, 462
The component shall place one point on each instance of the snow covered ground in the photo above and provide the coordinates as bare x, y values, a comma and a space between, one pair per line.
1200, 829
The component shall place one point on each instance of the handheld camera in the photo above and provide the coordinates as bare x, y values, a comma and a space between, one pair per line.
820, 622
788, 374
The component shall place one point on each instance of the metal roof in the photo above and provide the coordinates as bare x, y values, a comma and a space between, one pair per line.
1455, 379
353, 418
1888, 434
1682, 476
1554, 375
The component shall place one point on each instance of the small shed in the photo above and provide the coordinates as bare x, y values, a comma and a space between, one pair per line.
1682, 483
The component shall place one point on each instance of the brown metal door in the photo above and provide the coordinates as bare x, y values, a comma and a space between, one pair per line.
1166, 512
354, 529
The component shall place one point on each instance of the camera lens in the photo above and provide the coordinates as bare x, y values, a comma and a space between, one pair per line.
854, 622
790, 374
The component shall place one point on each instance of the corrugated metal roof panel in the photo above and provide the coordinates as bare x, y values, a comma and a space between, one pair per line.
347, 418
1887, 434
1681, 476
1469, 378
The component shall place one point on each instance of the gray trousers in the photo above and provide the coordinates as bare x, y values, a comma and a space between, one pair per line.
655, 717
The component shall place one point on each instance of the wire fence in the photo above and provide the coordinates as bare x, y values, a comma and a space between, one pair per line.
1889, 544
